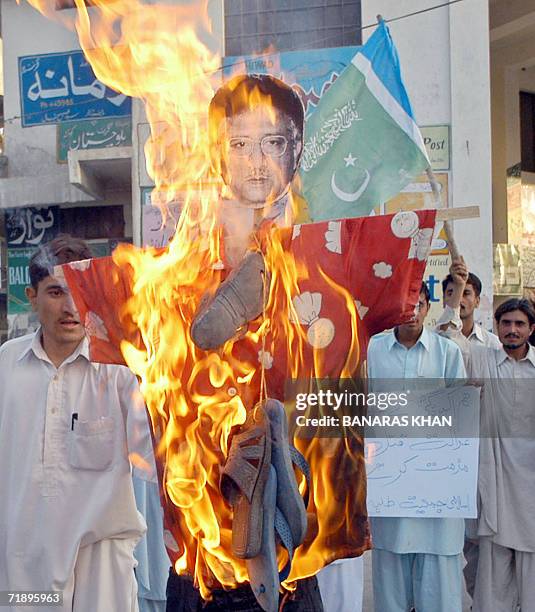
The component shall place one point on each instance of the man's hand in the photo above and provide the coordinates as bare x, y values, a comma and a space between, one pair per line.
459, 271
450, 318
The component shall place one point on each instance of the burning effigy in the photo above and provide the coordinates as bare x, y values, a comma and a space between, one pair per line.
248, 295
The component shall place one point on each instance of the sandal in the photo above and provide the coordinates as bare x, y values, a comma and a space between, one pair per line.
289, 500
284, 512
243, 482
258, 480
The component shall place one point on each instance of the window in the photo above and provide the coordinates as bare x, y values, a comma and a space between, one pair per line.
527, 131
253, 25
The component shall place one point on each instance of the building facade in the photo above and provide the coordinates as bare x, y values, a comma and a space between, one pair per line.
68, 160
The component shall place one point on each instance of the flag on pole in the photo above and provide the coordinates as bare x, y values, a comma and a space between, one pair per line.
362, 144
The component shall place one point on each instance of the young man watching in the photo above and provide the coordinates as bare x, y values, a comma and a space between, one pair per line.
469, 303
462, 290
506, 527
68, 518
417, 562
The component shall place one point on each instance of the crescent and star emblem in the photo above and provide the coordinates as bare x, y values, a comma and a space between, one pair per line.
349, 196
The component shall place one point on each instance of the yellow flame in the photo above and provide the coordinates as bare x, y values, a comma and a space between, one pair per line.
153, 52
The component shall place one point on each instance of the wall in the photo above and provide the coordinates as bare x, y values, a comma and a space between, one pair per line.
509, 54
526, 81
140, 178
1, 69
32, 151
517, 77
422, 42
502, 13
27, 32
444, 56
34, 177
302, 24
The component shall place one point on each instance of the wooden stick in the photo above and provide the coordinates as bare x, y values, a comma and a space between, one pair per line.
452, 245
465, 212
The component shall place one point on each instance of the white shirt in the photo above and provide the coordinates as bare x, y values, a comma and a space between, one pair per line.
479, 335
432, 357
507, 456
65, 482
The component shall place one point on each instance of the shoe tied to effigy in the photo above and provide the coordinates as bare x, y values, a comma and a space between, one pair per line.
258, 480
238, 300
284, 511
283, 457
243, 480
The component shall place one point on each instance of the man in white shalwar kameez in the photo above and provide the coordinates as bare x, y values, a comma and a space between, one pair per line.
506, 569
462, 291
68, 518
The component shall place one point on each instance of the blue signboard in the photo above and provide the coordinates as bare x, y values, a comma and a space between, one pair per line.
62, 87
310, 73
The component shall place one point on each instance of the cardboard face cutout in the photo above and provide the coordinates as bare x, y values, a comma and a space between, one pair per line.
260, 151
256, 132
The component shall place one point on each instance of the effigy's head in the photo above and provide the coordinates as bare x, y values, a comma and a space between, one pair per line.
256, 134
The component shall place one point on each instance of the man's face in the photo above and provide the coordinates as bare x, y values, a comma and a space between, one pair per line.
57, 314
469, 301
514, 329
417, 324
259, 155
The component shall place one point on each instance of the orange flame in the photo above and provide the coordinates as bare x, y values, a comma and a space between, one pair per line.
195, 398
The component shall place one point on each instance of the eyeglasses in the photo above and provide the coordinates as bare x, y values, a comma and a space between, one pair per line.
271, 146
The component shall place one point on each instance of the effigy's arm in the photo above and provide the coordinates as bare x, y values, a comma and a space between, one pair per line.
388, 258
100, 290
